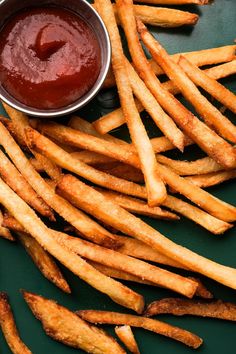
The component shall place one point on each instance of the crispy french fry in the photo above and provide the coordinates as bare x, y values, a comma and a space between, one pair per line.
125, 334
43, 261
207, 139
161, 17
203, 57
4, 232
218, 91
175, 2
121, 170
180, 307
128, 264
60, 157
116, 318
185, 168
92, 158
156, 191
109, 212
211, 115
52, 170
75, 217
64, 326
211, 179
137, 206
46, 238
8, 326
202, 218
20, 185
202, 291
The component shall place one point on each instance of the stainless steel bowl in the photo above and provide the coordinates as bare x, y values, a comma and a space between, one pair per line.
86, 11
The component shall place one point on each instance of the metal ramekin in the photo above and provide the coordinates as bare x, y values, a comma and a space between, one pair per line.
86, 11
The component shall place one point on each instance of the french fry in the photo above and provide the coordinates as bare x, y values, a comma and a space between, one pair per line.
125, 334
46, 238
43, 261
202, 218
4, 232
116, 318
121, 170
202, 291
211, 115
75, 217
8, 326
212, 179
161, 17
61, 158
156, 191
137, 206
150, 104
203, 57
52, 170
180, 307
110, 213
185, 168
92, 158
218, 91
20, 185
175, 2
143, 270
207, 139
64, 326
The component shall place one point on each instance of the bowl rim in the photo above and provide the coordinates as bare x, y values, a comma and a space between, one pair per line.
74, 106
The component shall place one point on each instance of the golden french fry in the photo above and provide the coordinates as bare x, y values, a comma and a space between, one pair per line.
52, 170
211, 115
206, 138
103, 209
202, 291
4, 232
88, 227
116, 318
156, 190
46, 238
141, 269
180, 307
61, 158
211, 179
64, 326
203, 57
202, 218
218, 91
20, 185
43, 261
125, 334
8, 326
137, 206
121, 170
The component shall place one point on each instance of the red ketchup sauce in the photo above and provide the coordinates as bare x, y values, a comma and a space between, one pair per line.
49, 57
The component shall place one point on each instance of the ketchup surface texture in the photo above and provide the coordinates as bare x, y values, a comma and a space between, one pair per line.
49, 57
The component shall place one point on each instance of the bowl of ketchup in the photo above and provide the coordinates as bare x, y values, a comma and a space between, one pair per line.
54, 57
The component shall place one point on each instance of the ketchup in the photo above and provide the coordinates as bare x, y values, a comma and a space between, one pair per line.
49, 57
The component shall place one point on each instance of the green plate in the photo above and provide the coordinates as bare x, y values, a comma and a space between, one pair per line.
216, 27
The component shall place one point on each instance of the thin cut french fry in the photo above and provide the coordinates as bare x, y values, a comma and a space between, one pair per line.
126, 335
211, 115
43, 261
218, 91
4, 232
203, 57
180, 307
75, 217
159, 276
109, 212
116, 318
156, 190
212, 179
202, 218
64, 326
160, 16
207, 139
19, 184
121, 170
92, 158
52, 170
8, 326
45, 237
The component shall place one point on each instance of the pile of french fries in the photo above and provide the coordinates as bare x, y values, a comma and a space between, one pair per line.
40, 178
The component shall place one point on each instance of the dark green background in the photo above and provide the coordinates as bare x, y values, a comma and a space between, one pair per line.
216, 27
